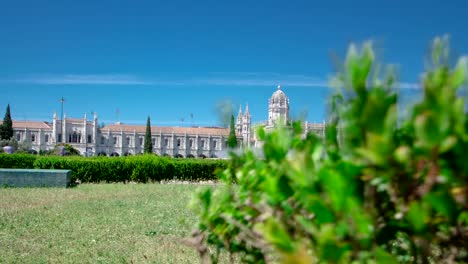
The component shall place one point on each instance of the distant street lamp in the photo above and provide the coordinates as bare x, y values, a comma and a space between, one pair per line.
61, 122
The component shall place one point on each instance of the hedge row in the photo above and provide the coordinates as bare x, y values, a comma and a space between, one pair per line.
119, 169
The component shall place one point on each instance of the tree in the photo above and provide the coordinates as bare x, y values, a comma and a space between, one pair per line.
6, 129
64, 149
232, 139
148, 143
224, 109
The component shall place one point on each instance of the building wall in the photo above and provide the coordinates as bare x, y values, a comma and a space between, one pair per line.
84, 136
89, 140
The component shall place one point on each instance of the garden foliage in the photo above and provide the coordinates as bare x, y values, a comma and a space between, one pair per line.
375, 189
142, 168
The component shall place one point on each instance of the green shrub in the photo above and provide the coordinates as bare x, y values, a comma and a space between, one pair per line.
193, 169
17, 161
141, 168
372, 191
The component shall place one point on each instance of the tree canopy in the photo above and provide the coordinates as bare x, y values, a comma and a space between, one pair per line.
232, 139
6, 129
148, 148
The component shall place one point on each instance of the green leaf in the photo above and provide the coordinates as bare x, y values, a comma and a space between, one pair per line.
383, 257
458, 76
463, 219
448, 143
261, 133
332, 252
402, 154
443, 204
322, 213
417, 216
427, 130
275, 234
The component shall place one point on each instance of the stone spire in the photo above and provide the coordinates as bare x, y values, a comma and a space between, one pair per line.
247, 113
245, 129
239, 115
239, 121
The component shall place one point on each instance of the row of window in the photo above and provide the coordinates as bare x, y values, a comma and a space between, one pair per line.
33, 137
166, 142
76, 138
72, 138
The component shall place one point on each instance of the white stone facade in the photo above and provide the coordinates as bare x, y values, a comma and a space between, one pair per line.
122, 139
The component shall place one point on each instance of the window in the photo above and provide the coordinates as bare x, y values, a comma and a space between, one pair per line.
153, 141
141, 141
74, 138
225, 143
18, 137
166, 142
90, 139
203, 143
33, 137
46, 138
115, 140
128, 141
178, 142
191, 143
59, 137
103, 140
214, 144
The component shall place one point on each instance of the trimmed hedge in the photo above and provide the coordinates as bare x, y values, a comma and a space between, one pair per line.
17, 161
142, 168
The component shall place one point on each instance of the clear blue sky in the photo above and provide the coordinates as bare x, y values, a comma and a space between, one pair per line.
171, 59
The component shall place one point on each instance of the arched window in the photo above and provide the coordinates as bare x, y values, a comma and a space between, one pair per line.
74, 138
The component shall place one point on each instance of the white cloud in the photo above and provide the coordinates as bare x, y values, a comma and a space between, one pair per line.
213, 79
84, 79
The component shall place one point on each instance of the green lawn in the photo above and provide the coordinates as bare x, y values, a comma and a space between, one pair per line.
97, 223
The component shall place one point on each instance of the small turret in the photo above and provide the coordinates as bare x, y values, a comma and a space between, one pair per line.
247, 113
239, 121
246, 126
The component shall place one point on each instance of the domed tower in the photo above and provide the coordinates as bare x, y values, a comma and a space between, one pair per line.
278, 108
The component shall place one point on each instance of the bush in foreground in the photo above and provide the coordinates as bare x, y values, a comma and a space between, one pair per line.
372, 191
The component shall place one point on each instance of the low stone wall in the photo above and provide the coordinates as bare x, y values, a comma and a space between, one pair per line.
34, 178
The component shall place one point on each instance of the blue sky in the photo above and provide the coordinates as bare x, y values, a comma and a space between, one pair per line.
175, 59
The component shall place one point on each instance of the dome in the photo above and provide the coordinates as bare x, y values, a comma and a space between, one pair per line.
279, 96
